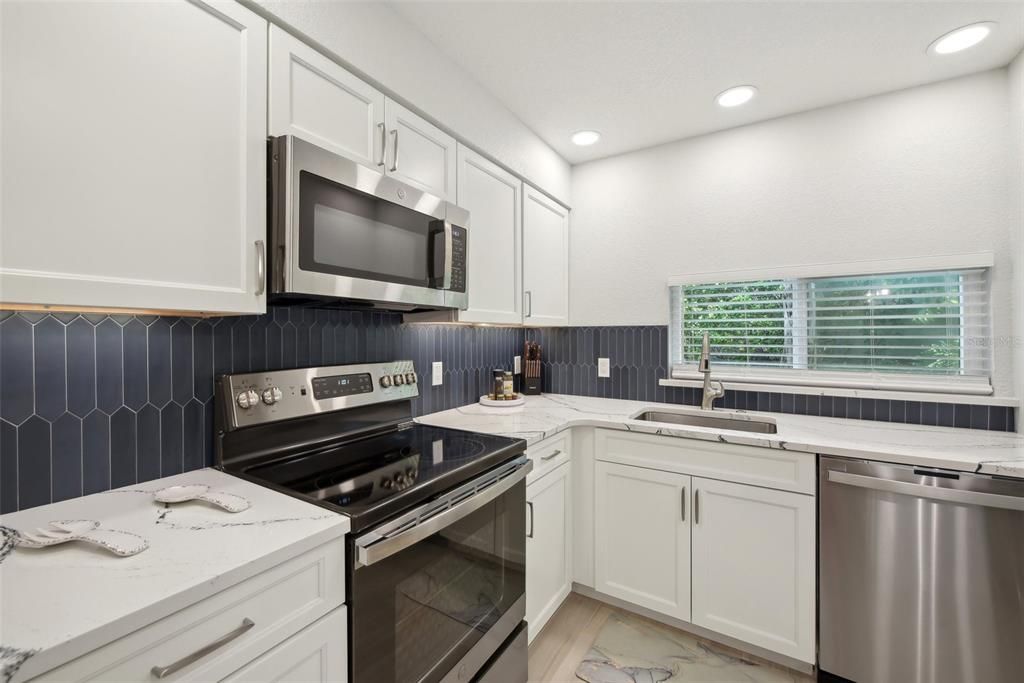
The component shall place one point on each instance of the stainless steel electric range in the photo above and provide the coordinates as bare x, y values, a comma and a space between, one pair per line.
436, 557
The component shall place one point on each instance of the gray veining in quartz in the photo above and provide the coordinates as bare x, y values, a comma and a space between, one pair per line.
964, 450
60, 602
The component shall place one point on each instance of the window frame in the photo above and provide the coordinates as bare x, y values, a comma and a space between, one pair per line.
975, 385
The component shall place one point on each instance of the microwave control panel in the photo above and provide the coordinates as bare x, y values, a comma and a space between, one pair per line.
459, 247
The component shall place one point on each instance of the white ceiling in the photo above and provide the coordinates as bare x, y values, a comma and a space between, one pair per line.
644, 73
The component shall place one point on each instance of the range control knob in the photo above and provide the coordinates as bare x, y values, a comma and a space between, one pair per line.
385, 381
399, 379
247, 399
410, 378
271, 396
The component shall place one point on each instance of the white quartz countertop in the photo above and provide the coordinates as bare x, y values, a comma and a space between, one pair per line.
966, 450
60, 602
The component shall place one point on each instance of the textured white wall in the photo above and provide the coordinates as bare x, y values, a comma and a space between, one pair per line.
919, 172
371, 38
1016, 74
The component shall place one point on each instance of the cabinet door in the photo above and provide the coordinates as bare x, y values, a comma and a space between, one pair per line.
316, 654
134, 155
753, 565
493, 198
545, 260
314, 98
548, 546
419, 153
642, 537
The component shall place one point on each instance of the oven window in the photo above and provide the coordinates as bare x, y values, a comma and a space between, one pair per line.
416, 614
345, 232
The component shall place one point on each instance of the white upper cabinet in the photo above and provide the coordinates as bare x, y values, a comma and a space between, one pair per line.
314, 98
134, 155
493, 198
545, 260
419, 153
548, 545
753, 565
642, 537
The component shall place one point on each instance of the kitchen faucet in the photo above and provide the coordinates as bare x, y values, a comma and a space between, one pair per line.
712, 390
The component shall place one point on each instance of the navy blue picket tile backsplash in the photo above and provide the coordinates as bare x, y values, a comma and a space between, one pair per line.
639, 358
92, 402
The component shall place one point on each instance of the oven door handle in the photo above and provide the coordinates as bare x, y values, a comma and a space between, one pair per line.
370, 550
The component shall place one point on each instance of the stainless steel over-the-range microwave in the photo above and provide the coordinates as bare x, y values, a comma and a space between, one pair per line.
342, 231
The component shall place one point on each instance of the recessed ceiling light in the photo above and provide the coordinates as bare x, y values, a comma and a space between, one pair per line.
962, 38
734, 97
583, 138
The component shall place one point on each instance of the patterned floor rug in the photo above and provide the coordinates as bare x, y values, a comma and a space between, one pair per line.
630, 649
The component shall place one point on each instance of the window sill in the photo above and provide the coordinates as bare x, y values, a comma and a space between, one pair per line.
963, 399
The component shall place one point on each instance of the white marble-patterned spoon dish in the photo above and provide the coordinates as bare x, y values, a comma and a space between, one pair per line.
180, 494
120, 543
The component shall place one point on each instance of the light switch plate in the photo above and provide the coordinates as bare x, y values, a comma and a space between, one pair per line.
437, 374
604, 367
517, 364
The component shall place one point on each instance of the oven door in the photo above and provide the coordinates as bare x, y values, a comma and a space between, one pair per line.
341, 230
436, 592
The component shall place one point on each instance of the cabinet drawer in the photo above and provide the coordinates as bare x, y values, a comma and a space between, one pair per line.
316, 654
548, 454
247, 619
768, 467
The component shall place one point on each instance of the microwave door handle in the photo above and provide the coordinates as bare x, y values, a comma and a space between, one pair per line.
447, 233
376, 551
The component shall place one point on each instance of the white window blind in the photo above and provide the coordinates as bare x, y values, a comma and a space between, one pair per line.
927, 330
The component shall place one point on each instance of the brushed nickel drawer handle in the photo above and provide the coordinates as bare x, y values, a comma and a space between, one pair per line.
552, 454
165, 671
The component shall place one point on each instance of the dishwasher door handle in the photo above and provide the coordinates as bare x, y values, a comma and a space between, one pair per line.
992, 500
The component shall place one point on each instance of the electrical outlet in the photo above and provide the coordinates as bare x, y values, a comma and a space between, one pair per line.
517, 364
437, 374
604, 367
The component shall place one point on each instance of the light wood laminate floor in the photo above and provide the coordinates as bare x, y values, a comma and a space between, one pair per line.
632, 640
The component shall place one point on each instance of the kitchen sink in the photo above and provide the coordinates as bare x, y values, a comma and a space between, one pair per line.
712, 421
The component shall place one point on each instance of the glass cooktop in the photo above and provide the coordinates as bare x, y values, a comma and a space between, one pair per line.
377, 477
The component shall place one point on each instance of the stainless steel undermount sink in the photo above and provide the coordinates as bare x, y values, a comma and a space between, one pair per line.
712, 421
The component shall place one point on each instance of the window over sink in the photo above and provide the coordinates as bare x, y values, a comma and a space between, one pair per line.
910, 330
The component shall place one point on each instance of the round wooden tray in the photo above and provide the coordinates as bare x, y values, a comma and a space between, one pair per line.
508, 403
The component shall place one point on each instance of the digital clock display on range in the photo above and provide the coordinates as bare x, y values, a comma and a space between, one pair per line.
342, 385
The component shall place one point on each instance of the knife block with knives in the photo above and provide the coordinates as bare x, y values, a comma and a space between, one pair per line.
531, 369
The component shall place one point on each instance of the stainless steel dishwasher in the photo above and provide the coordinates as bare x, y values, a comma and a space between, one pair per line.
920, 574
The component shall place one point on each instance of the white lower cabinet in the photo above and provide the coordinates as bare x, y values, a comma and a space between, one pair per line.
259, 623
642, 537
734, 558
753, 565
317, 654
548, 545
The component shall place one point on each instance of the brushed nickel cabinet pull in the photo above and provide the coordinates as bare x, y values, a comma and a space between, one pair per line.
682, 505
165, 671
530, 533
696, 506
261, 268
552, 454
383, 143
394, 151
